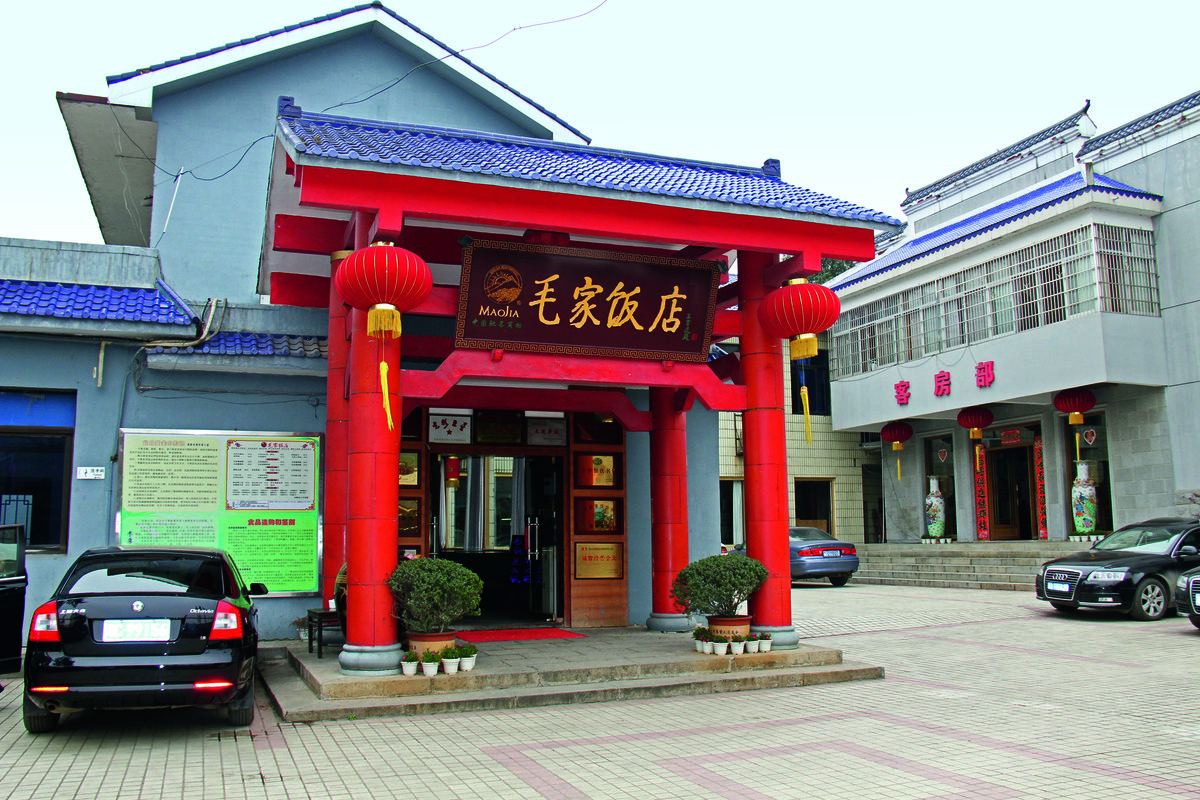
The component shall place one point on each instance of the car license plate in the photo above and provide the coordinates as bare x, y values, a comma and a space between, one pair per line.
832, 553
135, 630
1055, 586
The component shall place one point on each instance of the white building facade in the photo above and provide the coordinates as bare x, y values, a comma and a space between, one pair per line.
1063, 265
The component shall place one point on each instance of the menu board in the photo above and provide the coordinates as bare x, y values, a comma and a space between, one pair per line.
253, 495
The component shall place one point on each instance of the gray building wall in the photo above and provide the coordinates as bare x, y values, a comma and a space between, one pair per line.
212, 242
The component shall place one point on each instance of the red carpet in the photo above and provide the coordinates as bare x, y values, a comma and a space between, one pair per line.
517, 634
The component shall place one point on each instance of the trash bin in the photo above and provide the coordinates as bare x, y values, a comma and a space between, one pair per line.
12, 595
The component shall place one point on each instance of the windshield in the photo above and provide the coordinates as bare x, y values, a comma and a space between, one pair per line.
161, 575
1156, 541
807, 534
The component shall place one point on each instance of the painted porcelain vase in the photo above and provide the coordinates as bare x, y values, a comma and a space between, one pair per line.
935, 511
1083, 499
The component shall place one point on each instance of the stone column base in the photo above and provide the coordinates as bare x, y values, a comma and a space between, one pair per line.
670, 623
381, 660
781, 638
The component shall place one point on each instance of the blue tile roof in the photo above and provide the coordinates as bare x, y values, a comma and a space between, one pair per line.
85, 302
998, 157
317, 20
1150, 120
989, 219
254, 344
530, 159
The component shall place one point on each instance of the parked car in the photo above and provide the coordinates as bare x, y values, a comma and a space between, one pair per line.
816, 554
1133, 570
1187, 595
143, 627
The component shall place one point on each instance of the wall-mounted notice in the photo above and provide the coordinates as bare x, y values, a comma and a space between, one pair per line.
254, 495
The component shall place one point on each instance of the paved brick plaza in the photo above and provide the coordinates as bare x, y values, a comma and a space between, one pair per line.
987, 695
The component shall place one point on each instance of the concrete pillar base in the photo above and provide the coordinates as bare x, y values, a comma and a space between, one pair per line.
670, 623
377, 660
781, 638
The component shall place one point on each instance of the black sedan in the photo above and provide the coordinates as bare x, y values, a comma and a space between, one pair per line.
1187, 595
143, 627
816, 554
1133, 570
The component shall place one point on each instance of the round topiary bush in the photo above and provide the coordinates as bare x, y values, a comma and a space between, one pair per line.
717, 585
431, 593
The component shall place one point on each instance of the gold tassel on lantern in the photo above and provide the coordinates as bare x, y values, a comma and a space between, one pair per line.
807, 418
1075, 418
802, 346
387, 400
383, 318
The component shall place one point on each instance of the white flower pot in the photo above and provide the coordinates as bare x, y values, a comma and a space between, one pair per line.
468, 663
752, 646
429, 667
737, 648
450, 665
410, 667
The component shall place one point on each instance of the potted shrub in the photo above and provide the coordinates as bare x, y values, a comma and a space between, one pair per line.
431, 594
716, 587
450, 660
430, 661
468, 652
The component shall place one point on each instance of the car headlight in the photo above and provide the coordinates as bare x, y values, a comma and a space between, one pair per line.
1107, 576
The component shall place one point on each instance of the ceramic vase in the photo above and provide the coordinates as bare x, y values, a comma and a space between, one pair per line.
1083, 499
935, 510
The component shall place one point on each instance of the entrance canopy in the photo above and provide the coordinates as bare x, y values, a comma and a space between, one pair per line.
339, 183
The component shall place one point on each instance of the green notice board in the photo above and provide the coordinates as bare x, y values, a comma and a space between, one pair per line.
254, 495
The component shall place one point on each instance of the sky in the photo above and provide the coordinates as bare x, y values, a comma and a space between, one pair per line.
858, 100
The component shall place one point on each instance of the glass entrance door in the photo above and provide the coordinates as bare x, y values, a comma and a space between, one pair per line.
500, 516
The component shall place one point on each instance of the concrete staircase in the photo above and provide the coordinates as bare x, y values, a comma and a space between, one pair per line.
967, 565
639, 665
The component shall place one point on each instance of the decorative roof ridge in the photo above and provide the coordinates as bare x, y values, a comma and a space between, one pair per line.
111, 79
911, 250
998, 156
523, 141
1151, 120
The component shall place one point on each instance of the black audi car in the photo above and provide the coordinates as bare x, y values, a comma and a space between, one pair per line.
143, 627
1132, 570
1187, 595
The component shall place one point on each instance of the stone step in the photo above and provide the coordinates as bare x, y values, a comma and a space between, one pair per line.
980, 582
296, 702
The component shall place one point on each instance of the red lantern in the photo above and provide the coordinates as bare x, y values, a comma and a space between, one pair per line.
385, 281
976, 418
1075, 403
897, 433
799, 310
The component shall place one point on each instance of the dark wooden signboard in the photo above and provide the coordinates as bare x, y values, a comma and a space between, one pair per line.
573, 301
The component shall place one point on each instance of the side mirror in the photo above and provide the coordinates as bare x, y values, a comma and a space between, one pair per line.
258, 588
1188, 550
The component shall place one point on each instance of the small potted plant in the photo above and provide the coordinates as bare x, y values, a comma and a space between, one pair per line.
737, 644
764, 642
410, 662
699, 635
431, 594
301, 626
752, 643
430, 660
716, 587
468, 652
450, 660
720, 644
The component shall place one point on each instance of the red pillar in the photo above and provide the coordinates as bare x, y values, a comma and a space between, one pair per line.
337, 429
765, 455
373, 466
668, 507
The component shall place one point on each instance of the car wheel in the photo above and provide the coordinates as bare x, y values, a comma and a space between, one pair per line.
38, 720
839, 580
1065, 608
1194, 619
1149, 601
241, 711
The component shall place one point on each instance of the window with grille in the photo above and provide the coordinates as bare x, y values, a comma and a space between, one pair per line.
1094, 268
